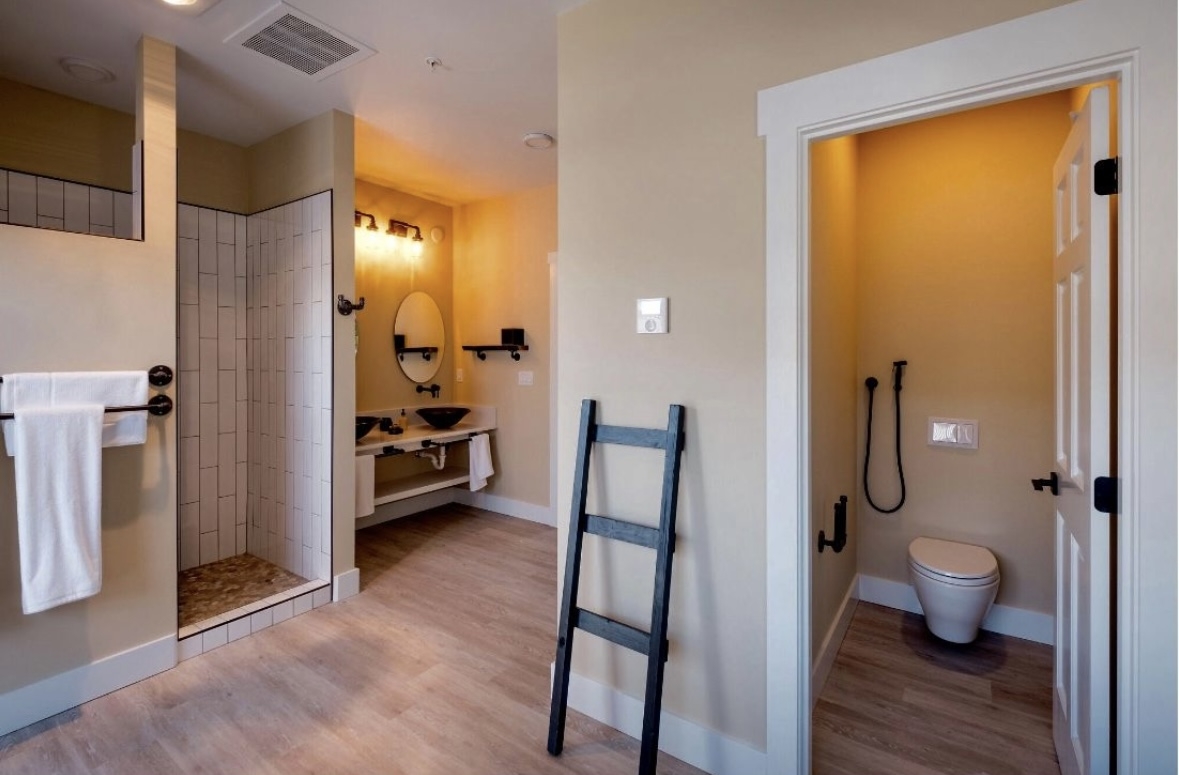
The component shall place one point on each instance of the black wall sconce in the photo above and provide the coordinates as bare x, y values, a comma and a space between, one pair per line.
400, 230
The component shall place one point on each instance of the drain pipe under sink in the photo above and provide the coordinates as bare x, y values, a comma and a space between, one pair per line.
439, 460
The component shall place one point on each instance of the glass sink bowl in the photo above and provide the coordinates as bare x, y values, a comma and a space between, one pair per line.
364, 424
442, 417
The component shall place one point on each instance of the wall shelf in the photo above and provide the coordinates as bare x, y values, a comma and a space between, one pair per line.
419, 484
481, 350
426, 352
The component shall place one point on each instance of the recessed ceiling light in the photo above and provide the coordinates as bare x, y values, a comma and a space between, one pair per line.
538, 141
191, 7
84, 70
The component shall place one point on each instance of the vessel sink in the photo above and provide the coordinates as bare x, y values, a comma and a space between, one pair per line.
442, 417
364, 424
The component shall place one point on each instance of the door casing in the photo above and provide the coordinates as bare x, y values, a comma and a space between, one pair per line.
944, 77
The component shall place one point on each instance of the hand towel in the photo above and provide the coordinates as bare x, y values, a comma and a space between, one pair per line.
480, 461
110, 388
58, 503
23, 391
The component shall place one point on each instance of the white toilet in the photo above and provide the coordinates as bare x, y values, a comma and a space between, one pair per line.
956, 584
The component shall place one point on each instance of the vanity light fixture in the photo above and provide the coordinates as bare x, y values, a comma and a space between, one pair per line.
358, 219
399, 230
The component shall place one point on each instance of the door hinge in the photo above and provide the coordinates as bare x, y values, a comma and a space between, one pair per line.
1105, 494
1105, 177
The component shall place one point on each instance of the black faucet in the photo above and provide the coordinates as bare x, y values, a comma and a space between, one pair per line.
433, 390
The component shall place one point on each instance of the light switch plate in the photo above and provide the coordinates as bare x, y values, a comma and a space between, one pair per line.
652, 316
524, 377
458, 375
953, 432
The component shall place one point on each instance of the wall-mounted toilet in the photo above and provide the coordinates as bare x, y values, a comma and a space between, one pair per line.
956, 584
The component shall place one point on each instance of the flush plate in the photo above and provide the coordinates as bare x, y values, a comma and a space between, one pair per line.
953, 432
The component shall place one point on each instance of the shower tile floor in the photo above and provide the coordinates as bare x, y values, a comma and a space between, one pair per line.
208, 592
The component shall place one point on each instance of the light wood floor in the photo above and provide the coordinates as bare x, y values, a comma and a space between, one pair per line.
901, 702
440, 665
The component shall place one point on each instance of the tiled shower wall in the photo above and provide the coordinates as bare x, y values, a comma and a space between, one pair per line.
255, 385
211, 271
49, 203
289, 380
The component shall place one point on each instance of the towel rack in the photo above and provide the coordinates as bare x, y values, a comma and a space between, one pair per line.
158, 406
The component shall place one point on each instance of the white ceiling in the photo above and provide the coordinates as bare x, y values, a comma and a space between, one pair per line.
452, 134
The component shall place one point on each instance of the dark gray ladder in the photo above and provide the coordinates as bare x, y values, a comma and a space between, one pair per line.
652, 644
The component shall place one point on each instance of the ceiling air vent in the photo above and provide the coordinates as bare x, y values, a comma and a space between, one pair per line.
286, 34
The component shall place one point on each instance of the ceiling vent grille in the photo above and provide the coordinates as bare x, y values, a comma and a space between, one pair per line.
287, 35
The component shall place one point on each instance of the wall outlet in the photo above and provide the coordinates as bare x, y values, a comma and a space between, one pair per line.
524, 377
458, 375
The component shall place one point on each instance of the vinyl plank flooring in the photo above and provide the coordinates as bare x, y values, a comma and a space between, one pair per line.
901, 702
439, 667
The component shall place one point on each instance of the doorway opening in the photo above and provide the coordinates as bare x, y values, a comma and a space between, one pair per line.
933, 242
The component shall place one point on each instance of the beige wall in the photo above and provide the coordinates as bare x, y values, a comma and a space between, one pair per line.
319, 155
49, 134
833, 387
662, 194
501, 280
212, 173
111, 305
955, 276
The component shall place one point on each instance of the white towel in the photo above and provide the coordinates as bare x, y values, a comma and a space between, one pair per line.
479, 452
58, 503
108, 388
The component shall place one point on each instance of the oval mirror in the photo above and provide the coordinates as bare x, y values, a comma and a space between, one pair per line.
419, 337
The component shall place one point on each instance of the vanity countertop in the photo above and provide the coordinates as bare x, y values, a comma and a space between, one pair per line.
414, 435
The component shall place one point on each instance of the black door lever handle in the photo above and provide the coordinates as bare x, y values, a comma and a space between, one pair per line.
1052, 483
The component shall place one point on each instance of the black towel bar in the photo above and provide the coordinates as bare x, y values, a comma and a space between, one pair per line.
158, 406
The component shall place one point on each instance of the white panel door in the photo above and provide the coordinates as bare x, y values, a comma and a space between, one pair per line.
1081, 709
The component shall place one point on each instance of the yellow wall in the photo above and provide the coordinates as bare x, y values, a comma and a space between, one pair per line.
44, 133
384, 279
955, 275
111, 305
662, 194
501, 280
833, 392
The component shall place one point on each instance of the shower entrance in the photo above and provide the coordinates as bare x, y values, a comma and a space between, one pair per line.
255, 381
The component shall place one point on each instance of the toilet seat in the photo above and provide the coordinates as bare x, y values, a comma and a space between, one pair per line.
950, 562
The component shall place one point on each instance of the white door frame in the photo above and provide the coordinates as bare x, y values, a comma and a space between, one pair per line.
1066, 46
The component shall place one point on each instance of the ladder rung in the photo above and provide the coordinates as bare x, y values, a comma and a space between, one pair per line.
631, 437
620, 530
615, 632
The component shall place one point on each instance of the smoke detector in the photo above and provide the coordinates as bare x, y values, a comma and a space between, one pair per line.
287, 35
85, 70
538, 141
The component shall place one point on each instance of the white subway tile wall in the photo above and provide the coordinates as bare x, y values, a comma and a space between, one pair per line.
211, 413
49, 203
255, 299
288, 251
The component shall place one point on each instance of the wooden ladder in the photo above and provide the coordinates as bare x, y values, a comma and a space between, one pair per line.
652, 644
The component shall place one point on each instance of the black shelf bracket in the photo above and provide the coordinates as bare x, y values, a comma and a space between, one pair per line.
426, 352
481, 350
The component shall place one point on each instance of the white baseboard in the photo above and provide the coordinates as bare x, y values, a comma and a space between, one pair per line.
1005, 620
32, 703
834, 639
687, 741
480, 500
346, 585
512, 508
